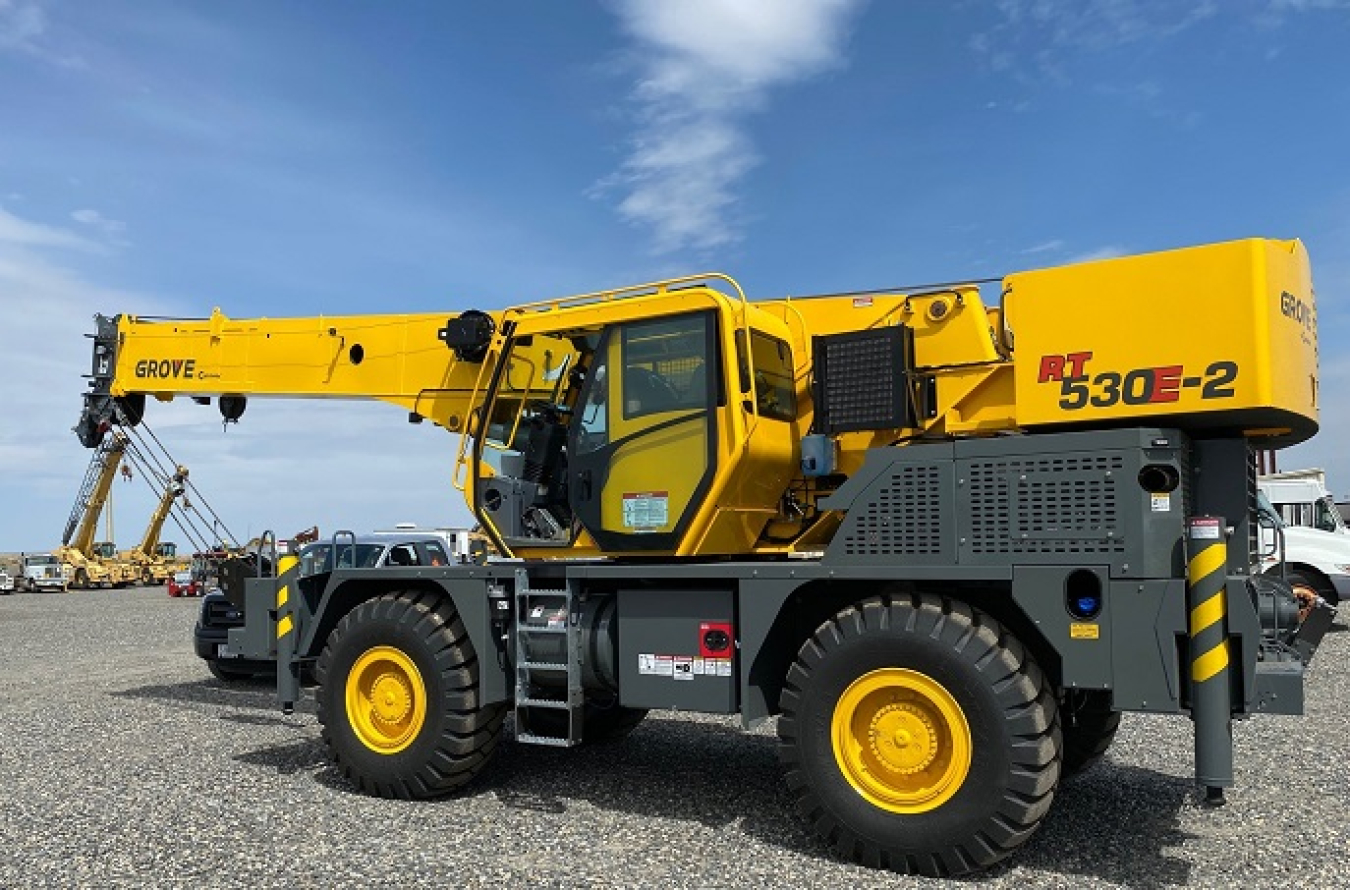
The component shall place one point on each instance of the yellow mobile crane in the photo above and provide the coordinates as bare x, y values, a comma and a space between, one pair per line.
945, 540
86, 562
157, 561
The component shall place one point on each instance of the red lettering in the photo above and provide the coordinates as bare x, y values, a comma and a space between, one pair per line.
1076, 362
1052, 368
1166, 383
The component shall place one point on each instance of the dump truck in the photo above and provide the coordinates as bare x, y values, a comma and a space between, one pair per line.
945, 535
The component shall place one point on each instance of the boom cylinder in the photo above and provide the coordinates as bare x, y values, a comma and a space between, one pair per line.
1211, 701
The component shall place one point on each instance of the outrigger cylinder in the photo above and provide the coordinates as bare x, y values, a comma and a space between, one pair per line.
1211, 701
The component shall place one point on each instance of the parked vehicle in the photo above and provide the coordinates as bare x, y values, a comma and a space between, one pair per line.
6, 582
401, 548
184, 584
1302, 498
1317, 562
43, 571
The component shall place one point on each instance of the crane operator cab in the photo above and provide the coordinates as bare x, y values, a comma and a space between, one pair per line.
612, 436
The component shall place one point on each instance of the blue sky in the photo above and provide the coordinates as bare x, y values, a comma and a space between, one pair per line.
299, 158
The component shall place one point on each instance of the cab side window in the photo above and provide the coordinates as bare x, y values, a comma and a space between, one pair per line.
665, 365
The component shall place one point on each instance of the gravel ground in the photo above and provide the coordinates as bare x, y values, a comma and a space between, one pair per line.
123, 763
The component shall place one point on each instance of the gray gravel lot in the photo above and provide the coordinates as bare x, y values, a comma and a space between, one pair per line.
123, 763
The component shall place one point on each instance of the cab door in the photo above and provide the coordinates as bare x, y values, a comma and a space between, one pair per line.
642, 443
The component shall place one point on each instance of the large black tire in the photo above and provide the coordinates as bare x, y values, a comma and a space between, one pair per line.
1089, 726
81, 579
418, 661
891, 679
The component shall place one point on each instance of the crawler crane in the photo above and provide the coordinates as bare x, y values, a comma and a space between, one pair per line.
945, 540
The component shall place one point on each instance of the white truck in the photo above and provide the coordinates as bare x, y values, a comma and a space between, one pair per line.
6, 581
43, 571
1317, 561
1302, 499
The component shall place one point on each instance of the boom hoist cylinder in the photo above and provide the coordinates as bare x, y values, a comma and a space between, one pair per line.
942, 538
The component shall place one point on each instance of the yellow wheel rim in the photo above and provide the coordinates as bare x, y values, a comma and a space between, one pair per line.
901, 740
386, 700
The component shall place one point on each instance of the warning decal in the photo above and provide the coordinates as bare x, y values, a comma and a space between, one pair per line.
646, 511
682, 667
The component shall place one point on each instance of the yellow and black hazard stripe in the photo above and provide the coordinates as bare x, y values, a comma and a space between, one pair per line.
1206, 574
285, 572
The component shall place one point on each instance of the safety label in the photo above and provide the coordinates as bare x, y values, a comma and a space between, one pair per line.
1084, 631
682, 667
1205, 528
646, 510
1162, 503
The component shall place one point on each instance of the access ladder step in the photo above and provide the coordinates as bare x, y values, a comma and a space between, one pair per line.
546, 703
545, 740
543, 666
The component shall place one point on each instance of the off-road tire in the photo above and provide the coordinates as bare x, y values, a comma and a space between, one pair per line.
1089, 726
459, 733
1010, 709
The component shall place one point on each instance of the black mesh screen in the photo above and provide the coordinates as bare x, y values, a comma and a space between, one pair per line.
862, 380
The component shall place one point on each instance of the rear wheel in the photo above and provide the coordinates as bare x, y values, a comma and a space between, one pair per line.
81, 579
918, 735
1089, 725
399, 698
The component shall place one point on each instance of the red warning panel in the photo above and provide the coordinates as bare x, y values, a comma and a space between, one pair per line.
716, 639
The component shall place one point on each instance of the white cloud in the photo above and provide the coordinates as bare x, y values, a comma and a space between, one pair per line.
1040, 35
703, 67
18, 232
287, 465
1045, 246
21, 23
112, 230
1105, 252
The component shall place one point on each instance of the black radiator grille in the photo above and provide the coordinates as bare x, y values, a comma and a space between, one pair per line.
1045, 505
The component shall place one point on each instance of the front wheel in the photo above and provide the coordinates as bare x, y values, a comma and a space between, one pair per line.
399, 698
918, 735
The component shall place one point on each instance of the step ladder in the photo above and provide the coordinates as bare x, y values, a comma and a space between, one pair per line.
549, 698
